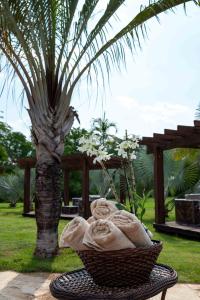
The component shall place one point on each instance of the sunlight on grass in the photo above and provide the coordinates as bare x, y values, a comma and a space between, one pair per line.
17, 238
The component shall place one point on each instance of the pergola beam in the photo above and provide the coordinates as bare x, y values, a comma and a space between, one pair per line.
197, 123
183, 137
74, 162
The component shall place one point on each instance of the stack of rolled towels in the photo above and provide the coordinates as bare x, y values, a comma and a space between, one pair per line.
107, 229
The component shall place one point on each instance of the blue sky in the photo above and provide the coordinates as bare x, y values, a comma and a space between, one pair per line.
159, 88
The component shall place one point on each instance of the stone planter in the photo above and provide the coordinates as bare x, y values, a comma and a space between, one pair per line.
77, 201
188, 210
70, 210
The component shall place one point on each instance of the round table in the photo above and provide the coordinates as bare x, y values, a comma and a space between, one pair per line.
79, 285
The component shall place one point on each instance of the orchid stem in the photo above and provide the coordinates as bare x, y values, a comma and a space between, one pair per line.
112, 185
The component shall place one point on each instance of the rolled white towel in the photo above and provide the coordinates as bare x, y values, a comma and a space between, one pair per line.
150, 234
72, 234
103, 235
130, 225
102, 208
91, 219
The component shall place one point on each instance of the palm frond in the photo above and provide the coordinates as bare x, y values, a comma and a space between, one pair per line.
130, 33
51, 44
180, 175
143, 167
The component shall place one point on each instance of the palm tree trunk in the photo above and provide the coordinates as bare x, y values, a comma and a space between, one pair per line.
49, 143
48, 207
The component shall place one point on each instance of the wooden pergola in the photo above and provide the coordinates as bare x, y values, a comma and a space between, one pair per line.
183, 137
75, 162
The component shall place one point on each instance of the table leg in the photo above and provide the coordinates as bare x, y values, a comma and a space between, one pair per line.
163, 294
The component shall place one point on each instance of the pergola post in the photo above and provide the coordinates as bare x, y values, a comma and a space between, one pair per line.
27, 179
66, 187
85, 190
159, 186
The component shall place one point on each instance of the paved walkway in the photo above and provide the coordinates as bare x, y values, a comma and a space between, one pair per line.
17, 286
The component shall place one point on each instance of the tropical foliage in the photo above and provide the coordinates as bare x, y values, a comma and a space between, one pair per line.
143, 167
3, 155
181, 166
49, 45
71, 140
180, 174
12, 187
13, 145
102, 127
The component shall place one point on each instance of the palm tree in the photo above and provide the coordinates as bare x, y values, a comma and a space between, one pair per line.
101, 127
11, 187
50, 44
143, 168
181, 173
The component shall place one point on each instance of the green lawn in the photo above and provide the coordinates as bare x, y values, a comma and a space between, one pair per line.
17, 240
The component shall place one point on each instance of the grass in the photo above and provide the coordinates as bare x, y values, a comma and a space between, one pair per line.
17, 241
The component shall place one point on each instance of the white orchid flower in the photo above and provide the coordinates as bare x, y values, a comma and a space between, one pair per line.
133, 156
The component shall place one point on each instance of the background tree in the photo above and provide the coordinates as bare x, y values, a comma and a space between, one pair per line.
17, 146
5, 129
71, 140
14, 144
4, 159
50, 45
102, 128
71, 147
3, 155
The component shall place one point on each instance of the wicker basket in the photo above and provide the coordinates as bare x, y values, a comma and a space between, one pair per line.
125, 267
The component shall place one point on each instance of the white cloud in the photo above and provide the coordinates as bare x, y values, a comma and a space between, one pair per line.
21, 125
146, 118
